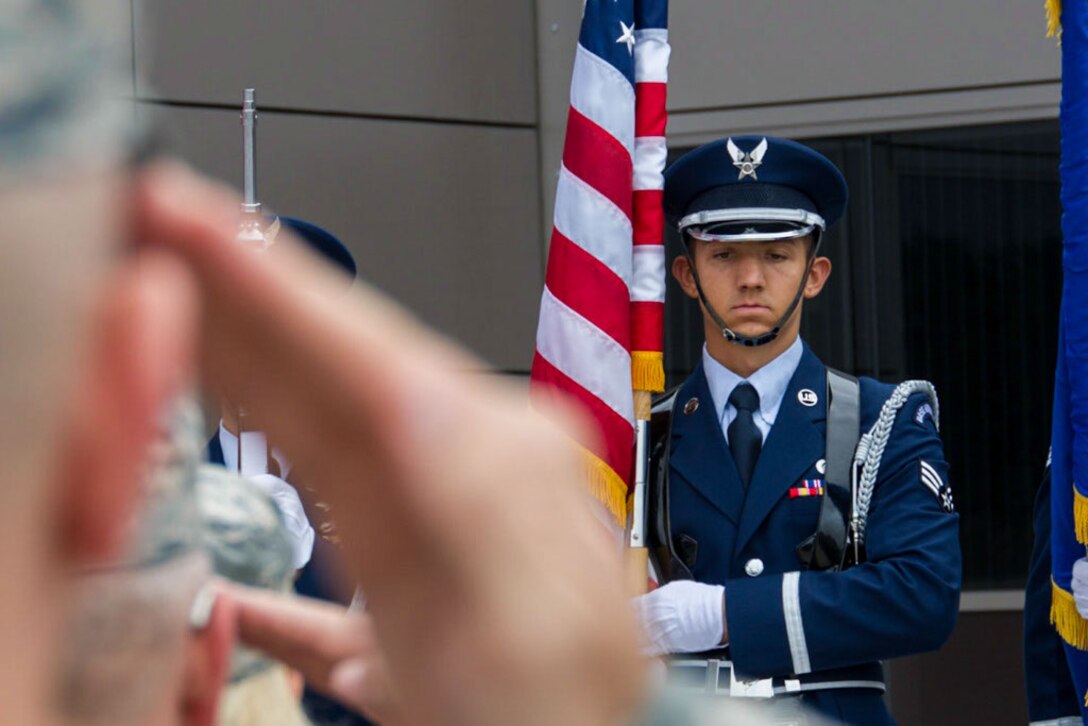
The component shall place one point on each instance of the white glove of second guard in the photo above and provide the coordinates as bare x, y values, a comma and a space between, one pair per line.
682, 617
294, 516
1080, 586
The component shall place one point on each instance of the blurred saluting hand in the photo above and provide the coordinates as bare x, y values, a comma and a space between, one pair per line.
495, 596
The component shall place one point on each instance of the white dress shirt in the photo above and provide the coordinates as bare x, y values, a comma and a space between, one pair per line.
254, 453
255, 469
770, 383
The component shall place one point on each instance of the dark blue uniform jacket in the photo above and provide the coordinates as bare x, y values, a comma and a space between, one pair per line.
903, 599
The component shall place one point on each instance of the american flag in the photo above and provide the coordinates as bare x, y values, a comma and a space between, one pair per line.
602, 313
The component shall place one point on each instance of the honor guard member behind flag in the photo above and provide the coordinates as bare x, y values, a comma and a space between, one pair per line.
792, 559
249, 452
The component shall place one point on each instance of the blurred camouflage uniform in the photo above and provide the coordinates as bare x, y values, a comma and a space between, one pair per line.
243, 530
65, 84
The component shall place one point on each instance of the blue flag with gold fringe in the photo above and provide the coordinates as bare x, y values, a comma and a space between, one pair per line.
1069, 434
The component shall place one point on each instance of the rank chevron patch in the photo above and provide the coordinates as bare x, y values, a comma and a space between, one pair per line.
935, 484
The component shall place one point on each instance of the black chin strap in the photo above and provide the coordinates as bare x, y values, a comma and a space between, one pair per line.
739, 338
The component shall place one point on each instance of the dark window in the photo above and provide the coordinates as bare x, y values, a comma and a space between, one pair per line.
947, 267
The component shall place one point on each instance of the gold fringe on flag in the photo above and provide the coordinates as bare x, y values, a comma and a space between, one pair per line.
606, 486
647, 371
1065, 618
1054, 18
1080, 515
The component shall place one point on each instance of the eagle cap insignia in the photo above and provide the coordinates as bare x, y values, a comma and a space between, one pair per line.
747, 162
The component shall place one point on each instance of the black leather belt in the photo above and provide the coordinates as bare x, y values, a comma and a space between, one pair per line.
715, 677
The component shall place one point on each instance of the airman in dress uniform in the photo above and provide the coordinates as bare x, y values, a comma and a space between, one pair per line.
795, 560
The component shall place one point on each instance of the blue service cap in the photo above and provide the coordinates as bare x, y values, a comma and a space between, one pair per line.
321, 241
753, 188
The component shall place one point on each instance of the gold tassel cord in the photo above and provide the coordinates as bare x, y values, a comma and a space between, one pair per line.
1054, 18
606, 486
647, 371
1080, 515
1065, 618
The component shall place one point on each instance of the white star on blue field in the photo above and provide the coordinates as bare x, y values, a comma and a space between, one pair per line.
628, 36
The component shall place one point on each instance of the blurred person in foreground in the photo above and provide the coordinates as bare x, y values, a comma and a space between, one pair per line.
93, 344
495, 598
485, 569
147, 640
491, 587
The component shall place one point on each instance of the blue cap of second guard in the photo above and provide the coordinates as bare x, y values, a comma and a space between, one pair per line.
323, 242
753, 188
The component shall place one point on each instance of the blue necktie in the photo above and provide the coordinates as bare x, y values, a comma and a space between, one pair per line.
745, 440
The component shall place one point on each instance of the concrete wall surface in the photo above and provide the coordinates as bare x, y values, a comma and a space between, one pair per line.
407, 128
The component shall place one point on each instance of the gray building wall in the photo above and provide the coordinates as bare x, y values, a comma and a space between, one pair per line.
407, 128
427, 135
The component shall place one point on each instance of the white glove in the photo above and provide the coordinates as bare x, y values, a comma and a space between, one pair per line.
682, 617
294, 516
1080, 586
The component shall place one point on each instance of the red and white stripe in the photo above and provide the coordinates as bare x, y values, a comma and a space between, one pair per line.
606, 263
648, 276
